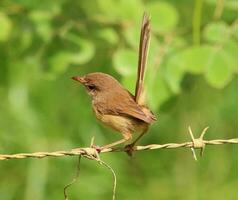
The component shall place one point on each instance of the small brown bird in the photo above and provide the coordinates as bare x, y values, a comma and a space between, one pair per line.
115, 106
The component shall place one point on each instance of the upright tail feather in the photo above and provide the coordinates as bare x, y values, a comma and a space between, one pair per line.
143, 51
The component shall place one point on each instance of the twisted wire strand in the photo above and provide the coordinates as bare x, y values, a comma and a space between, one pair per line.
91, 153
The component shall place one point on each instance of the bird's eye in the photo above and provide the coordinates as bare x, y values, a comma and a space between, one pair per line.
91, 87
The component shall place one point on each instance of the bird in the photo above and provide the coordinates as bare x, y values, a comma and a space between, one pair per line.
115, 106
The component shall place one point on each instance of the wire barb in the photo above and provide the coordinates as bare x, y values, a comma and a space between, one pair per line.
198, 143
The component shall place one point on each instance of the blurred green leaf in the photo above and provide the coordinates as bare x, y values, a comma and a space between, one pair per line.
230, 53
232, 4
60, 61
164, 17
177, 44
86, 49
235, 30
85, 54
5, 27
217, 32
129, 82
228, 4
132, 9
174, 73
39, 4
195, 59
215, 63
26, 39
154, 52
218, 72
125, 62
132, 34
42, 20
109, 35
157, 91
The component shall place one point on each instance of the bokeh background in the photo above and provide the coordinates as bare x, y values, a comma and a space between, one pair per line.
191, 80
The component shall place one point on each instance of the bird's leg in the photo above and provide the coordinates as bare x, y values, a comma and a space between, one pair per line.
127, 136
129, 147
138, 138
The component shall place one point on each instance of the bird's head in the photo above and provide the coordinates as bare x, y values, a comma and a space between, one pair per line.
98, 83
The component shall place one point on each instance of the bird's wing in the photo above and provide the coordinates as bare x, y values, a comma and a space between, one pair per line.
126, 106
143, 51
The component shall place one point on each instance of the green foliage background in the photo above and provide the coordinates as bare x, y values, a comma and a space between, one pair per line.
191, 80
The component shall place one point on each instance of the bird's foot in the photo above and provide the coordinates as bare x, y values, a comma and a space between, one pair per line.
129, 149
97, 148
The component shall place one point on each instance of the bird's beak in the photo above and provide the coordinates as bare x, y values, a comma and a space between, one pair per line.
79, 79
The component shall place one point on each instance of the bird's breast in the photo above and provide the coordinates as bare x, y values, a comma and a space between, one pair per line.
121, 124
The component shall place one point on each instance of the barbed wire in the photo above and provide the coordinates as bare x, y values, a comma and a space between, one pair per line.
91, 153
